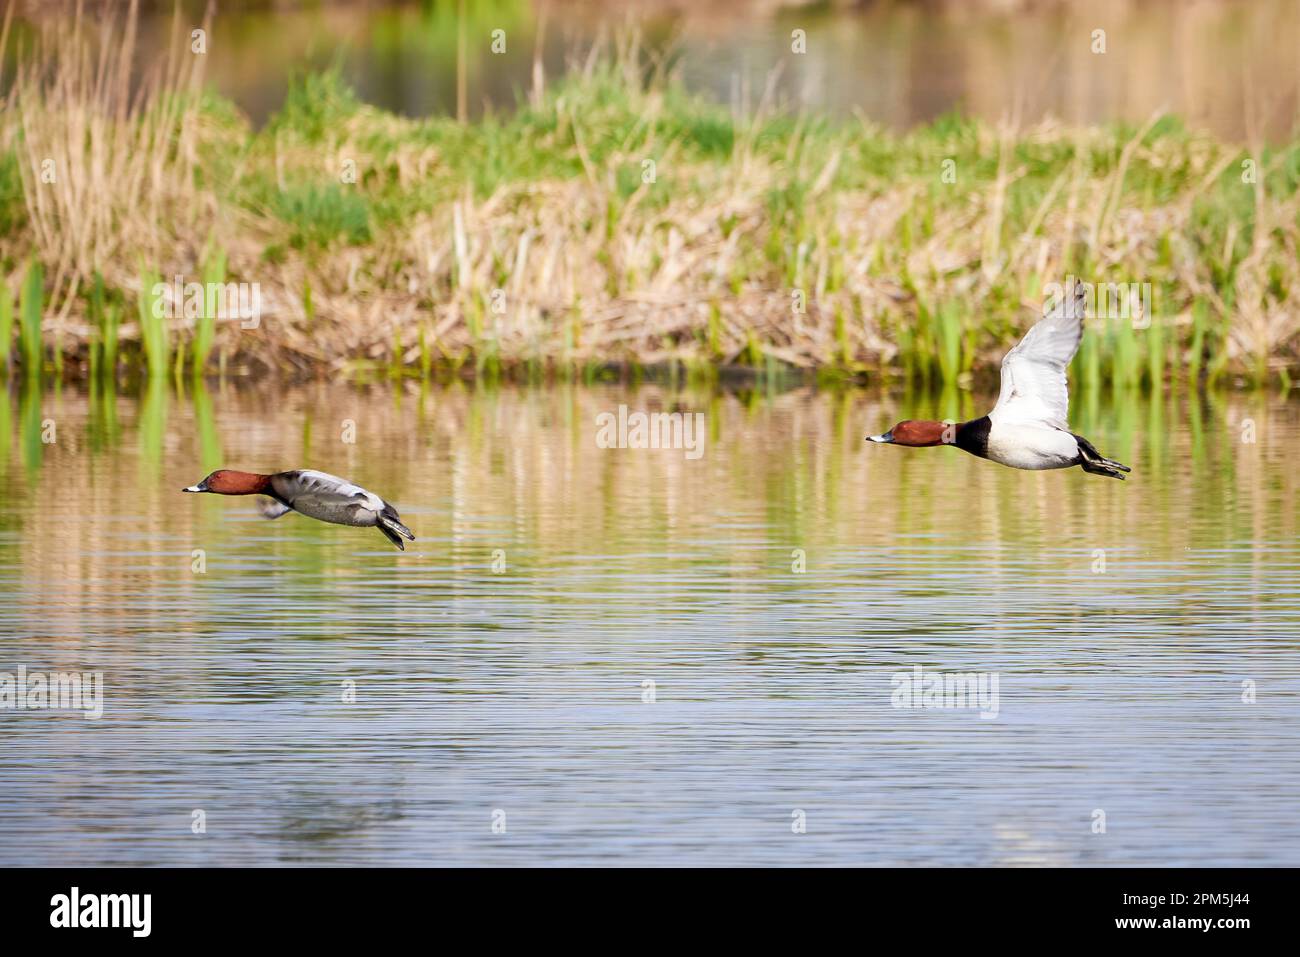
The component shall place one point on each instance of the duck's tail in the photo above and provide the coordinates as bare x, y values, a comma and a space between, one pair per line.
393, 528
1090, 460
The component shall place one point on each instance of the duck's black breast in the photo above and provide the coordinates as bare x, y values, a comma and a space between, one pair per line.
973, 436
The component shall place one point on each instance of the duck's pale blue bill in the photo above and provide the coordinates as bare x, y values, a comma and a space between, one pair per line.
201, 487
887, 437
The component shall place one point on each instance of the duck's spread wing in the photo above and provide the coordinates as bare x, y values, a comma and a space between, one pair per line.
307, 489
1034, 388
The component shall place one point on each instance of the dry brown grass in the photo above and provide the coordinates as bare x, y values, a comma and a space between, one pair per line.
107, 163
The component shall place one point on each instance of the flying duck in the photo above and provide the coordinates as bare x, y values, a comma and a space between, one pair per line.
1028, 428
318, 495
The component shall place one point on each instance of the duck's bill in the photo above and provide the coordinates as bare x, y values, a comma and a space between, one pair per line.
201, 487
887, 437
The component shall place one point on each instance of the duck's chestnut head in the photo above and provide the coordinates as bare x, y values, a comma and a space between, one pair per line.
916, 433
231, 482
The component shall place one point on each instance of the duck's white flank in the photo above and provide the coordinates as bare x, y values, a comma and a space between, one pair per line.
1030, 446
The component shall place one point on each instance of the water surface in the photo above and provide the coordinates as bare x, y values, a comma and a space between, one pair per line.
1224, 66
771, 589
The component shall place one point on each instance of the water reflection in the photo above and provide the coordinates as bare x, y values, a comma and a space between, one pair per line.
1217, 64
770, 590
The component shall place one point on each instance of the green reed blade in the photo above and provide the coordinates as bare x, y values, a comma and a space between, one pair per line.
153, 324
214, 276
29, 308
949, 329
1155, 354
6, 325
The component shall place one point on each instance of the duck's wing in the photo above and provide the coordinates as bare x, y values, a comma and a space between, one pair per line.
305, 489
1034, 389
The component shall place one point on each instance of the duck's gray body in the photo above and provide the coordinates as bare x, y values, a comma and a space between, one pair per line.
329, 498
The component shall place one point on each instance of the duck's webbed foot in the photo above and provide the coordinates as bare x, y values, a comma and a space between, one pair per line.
392, 536
1092, 461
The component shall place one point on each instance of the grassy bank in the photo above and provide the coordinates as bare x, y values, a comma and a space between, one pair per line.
613, 219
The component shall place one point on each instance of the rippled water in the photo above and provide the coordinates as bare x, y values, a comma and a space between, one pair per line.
1120, 619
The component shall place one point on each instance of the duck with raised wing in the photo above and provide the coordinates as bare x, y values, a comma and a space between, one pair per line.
1028, 428
317, 495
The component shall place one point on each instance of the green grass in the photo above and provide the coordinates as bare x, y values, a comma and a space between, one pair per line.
320, 215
